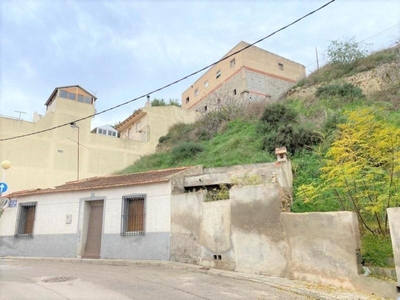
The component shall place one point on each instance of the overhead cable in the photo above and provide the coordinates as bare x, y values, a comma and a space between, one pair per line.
172, 83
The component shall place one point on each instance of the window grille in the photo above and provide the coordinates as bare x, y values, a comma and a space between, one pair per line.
26, 219
133, 215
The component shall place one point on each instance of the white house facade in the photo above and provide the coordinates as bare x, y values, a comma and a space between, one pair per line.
120, 216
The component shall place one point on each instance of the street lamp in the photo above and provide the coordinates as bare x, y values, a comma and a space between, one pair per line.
73, 125
5, 165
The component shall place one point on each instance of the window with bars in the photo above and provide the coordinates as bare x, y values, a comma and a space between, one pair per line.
26, 219
133, 215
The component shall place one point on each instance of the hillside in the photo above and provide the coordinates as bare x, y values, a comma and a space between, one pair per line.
230, 136
341, 126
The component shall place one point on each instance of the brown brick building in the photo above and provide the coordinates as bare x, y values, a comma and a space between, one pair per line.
252, 74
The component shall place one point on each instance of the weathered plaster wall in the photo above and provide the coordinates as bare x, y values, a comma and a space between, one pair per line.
394, 223
257, 234
323, 247
50, 158
244, 230
264, 171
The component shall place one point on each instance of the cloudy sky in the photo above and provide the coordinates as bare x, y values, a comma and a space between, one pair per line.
122, 49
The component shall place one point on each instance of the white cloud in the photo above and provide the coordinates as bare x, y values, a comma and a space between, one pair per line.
123, 49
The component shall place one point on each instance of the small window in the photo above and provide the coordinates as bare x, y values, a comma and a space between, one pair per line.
218, 74
80, 98
206, 84
87, 100
63, 94
109, 132
205, 108
233, 63
26, 219
133, 215
196, 92
99, 130
114, 133
234, 91
187, 100
72, 96
280, 66
138, 126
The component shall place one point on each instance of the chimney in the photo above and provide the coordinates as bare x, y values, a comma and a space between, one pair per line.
148, 103
281, 154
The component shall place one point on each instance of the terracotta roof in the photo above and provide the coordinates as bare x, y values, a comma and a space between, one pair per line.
106, 182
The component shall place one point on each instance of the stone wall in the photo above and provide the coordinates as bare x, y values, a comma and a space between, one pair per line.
323, 247
394, 223
242, 234
249, 233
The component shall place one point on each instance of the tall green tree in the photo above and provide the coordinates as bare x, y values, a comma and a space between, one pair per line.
362, 170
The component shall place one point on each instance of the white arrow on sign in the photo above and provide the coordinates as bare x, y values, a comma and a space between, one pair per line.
3, 187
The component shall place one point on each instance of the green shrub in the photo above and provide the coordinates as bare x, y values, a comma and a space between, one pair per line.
375, 250
306, 167
276, 115
332, 120
178, 133
216, 194
161, 102
345, 52
158, 102
292, 136
185, 151
345, 90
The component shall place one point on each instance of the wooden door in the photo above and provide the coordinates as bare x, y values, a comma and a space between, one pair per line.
93, 242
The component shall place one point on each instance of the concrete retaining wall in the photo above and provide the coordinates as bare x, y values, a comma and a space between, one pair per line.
323, 247
249, 233
243, 233
394, 224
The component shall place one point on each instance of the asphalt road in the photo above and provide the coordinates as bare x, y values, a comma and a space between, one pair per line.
43, 280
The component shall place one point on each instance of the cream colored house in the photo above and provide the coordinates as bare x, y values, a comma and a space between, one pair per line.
153, 120
53, 157
252, 74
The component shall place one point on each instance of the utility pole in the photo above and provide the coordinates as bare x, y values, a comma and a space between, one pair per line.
316, 54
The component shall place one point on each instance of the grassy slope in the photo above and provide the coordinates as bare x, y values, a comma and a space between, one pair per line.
238, 144
238, 141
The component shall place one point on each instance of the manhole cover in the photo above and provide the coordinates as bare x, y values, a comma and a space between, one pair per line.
59, 279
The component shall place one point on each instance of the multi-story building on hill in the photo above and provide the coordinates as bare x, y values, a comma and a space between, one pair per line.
252, 74
67, 153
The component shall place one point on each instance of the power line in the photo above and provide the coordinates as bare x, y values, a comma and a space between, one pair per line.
172, 83
379, 33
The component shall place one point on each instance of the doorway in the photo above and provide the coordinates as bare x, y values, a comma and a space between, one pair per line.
94, 229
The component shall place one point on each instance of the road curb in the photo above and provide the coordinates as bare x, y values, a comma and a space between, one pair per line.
275, 282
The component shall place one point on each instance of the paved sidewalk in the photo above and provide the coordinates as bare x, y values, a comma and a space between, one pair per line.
314, 291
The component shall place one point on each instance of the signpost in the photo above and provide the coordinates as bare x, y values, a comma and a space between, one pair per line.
3, 187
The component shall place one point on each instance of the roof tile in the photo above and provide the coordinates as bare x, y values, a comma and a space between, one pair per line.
107, 181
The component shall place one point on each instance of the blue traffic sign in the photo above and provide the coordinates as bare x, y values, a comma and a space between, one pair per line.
3, 187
